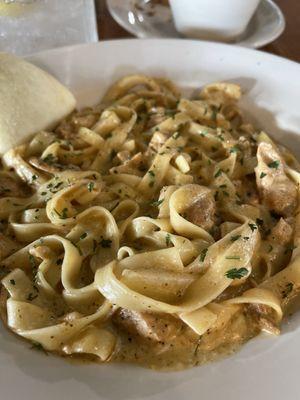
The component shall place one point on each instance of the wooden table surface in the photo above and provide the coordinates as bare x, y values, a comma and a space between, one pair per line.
287, 45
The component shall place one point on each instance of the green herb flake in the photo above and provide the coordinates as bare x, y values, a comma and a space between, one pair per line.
252, 227
233, 258
49, 159
90, 186
274, 164
156, 203
34, 177
289, 249
83, 236
214, 114
168, 239
31, 297
203, 254
287, 290
151, 173
105, 243
262, 175
235, 238
32, 261
234, 149
218, 173
236, 273
270, 248
259, 222
12, 282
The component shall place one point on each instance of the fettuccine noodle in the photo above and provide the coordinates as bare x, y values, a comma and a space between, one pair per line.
150, 228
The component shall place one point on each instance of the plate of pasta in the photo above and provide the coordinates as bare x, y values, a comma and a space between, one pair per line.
149, 235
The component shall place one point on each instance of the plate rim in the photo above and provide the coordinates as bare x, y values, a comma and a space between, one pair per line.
160, 40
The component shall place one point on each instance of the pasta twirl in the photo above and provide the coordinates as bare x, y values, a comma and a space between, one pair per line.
150, 228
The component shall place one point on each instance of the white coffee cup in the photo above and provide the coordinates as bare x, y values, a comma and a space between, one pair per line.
223, 20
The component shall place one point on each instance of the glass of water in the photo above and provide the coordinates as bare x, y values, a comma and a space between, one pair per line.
28, 26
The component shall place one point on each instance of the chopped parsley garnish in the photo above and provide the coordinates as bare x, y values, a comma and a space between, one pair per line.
289, 249
31, 297
168, 239
223, 186
236, 273
83, 236
252, 227
218, 173
151, 173
246, 238
234, 149
34, 177
12, 282
270, 248
234, 238
63, 214
90, 186
259, 222
105, 243
274, 164
262, 175
203, 254
49, 159
233, 258
57, 185
288, 289
32, 261
156, 203
220, 137
43, 193
214, 114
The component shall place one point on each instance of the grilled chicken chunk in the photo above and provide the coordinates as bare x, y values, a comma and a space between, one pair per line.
277, 191
157, 327
202, 211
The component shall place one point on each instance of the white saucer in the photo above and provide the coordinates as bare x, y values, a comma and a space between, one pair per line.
147, 19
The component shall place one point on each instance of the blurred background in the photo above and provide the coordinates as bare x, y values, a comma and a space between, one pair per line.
28, 26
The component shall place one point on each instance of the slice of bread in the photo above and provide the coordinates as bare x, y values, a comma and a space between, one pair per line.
30, 100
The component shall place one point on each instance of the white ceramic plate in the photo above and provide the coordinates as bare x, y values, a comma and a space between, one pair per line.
266, 368
148, 19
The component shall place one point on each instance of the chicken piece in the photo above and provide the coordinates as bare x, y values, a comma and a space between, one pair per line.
135, 166
7, 246
157, 327
277, 191
10, 187
264, 318
202, 211
282, 233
